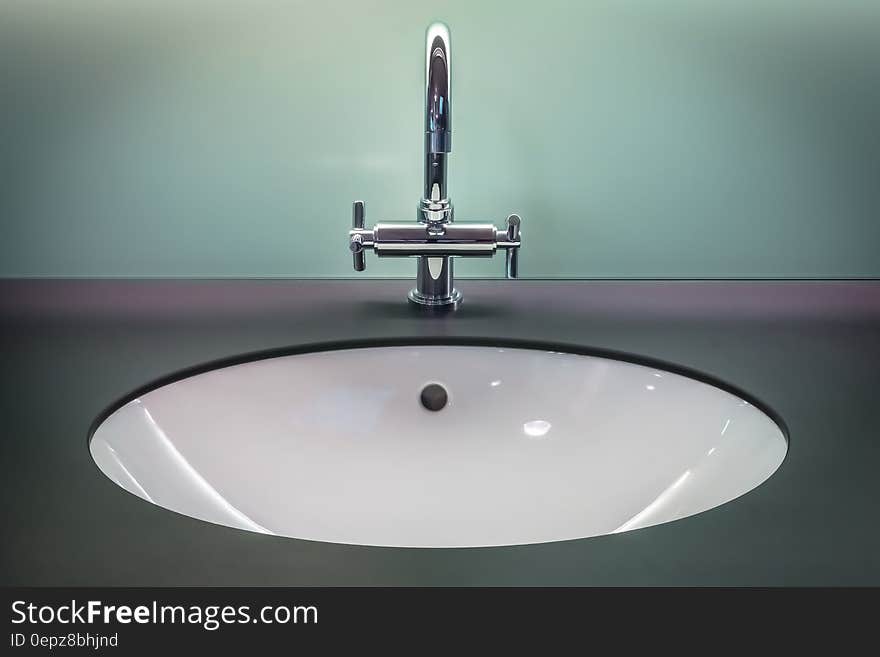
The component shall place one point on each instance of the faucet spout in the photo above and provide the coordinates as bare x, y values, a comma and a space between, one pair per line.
438, 85
438, 111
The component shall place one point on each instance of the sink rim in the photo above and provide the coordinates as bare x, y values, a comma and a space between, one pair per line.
445, 341
450, 341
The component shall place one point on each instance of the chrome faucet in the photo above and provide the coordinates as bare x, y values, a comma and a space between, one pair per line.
434, 239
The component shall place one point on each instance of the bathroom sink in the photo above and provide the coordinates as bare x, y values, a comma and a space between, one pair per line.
438, 446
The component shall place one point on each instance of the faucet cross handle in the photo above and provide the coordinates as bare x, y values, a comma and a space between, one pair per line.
356, 243
512, 253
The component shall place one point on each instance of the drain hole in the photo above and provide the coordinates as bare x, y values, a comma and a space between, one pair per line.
434, 397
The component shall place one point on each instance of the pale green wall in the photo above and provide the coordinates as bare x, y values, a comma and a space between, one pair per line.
676, 138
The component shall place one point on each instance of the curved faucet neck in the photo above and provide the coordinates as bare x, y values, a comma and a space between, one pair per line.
438, 113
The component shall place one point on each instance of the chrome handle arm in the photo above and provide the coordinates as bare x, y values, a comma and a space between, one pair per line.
356, 240
513, 235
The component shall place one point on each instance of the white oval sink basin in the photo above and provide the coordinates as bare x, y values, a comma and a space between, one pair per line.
531, 446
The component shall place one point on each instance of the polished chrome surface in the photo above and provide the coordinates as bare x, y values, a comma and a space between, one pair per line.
512, 265
430, 239
357, 250
433, 239
438, 110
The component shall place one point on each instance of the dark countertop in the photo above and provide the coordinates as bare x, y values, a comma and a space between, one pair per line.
809, 350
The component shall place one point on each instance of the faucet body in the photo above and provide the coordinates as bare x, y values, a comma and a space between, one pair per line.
434, 240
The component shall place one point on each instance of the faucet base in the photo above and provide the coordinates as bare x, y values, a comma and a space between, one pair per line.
434, 284
432, 302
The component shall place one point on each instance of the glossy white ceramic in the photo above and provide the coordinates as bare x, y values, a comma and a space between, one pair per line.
532, 446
